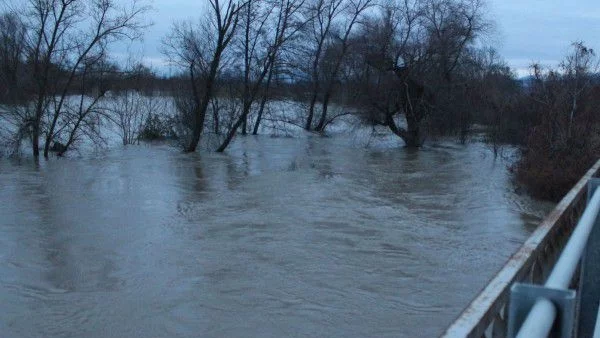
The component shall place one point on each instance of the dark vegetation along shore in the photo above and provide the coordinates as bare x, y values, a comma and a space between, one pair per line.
416, 69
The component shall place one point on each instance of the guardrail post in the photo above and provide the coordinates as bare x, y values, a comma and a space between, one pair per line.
524, 296
589, 281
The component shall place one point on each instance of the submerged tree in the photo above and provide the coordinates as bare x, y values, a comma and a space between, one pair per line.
200, 48
336, 53
415, 52
323, 14
67, 39
261, 51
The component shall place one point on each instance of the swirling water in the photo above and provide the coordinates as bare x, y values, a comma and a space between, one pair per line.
285, 237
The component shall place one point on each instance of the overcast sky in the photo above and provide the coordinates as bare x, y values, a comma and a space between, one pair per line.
526, 30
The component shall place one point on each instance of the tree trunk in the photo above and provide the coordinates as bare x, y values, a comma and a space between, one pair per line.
37, 120
244, 116
264, 99
247, 57
233, 130
50, 135
263, 102
198, 127
311, 110
200, 113
321, 126
316, 86
412, 137
35, 140
216, 121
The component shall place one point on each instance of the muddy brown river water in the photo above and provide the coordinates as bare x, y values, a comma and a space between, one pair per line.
280, 237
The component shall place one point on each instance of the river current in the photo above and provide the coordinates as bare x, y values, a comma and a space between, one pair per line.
279, 237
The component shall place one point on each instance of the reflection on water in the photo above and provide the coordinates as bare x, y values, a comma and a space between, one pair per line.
307, 237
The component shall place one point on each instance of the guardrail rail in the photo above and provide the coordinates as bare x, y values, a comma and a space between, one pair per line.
553, 293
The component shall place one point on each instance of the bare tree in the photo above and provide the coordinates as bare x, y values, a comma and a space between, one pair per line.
77, 114
285, 29
354, 9
256, 18
414, 57
391, 84
451, 26
200, 49
65, 36
290, 22
577, 69
323, 14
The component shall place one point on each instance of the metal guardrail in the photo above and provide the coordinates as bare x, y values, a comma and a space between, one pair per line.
488, 314
554, 299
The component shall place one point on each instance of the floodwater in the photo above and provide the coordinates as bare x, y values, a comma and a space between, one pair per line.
280, 237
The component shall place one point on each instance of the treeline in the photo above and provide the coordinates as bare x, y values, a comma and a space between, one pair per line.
408, 65
418, 68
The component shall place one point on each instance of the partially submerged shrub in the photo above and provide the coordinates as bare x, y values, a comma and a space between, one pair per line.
563, 141
549, 173
156, 128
